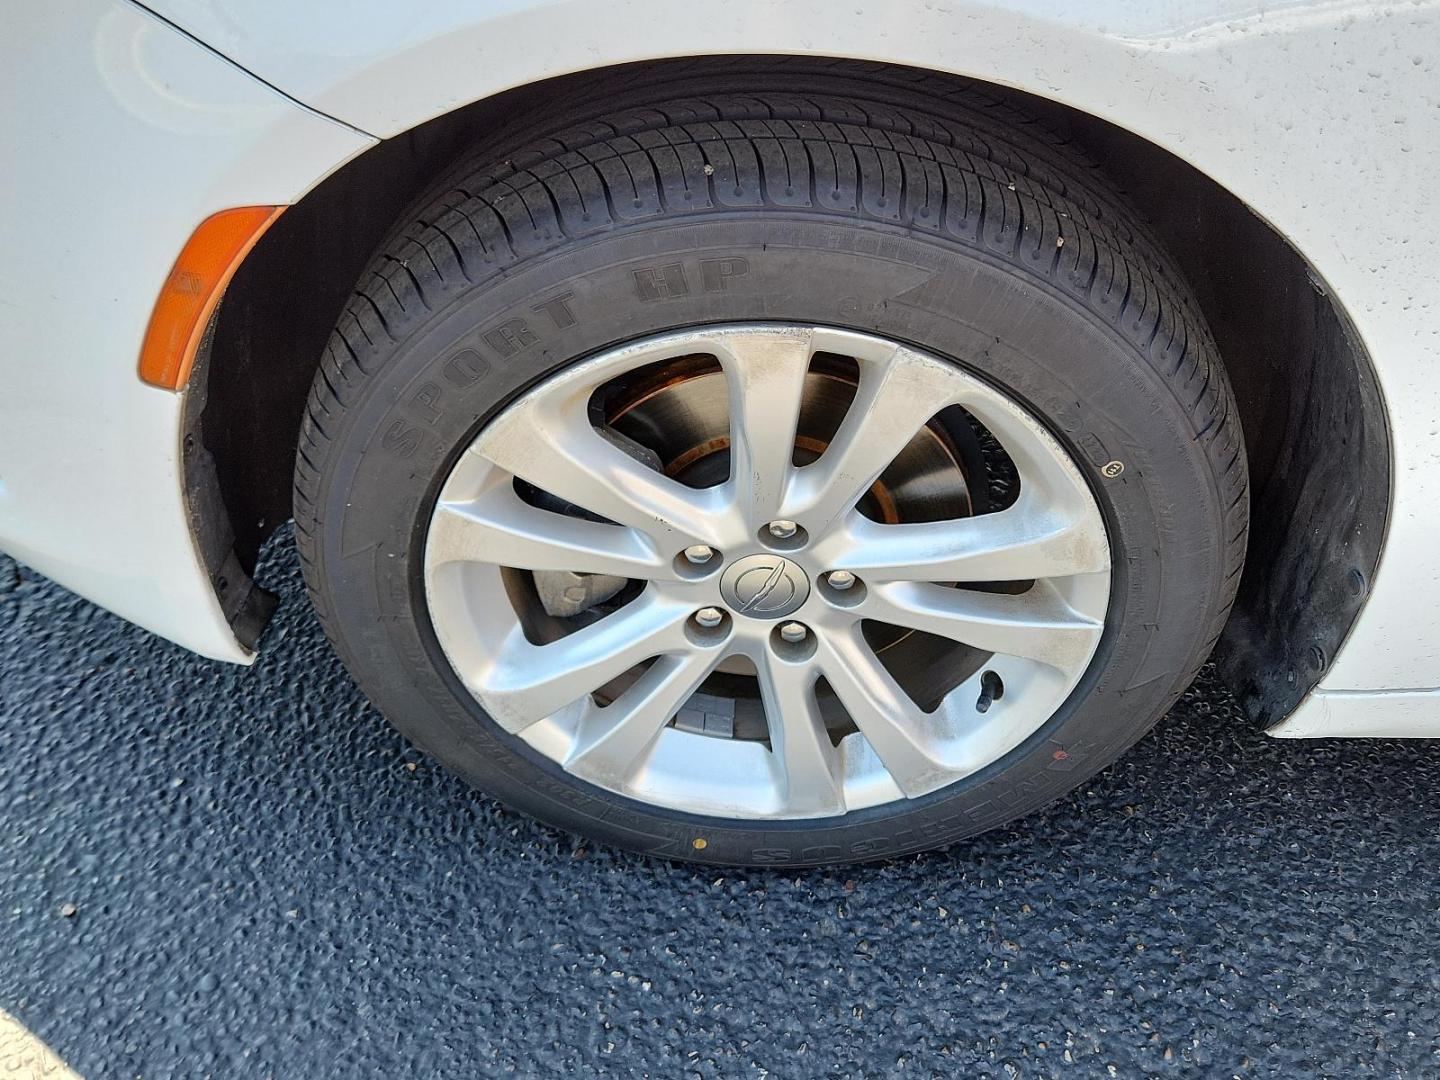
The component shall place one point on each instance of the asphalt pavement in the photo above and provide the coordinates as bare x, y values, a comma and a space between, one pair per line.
213, 871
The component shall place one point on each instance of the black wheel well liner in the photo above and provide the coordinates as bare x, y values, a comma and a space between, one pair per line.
1310, 403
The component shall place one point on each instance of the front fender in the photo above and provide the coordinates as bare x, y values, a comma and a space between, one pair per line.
123, 135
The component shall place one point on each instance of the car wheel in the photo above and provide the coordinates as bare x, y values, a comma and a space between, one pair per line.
772, 478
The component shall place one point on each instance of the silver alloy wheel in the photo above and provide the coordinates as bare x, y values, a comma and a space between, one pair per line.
636, 523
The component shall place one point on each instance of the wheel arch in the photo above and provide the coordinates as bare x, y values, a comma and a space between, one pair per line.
1310, 400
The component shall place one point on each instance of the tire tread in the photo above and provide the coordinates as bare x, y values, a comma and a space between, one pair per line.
933, 155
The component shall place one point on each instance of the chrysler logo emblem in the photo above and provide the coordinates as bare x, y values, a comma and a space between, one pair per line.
764, 586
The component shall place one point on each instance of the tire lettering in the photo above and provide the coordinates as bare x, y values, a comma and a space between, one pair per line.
771, 854
558, 310
465, 368
661, 282
715, 274
401, 439
427, 401
510, 337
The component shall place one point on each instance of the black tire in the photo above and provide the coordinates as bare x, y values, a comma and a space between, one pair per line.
892, 207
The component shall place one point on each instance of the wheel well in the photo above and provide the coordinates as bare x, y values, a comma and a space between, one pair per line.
1310, 405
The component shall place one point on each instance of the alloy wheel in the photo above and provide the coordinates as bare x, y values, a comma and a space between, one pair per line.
750, 571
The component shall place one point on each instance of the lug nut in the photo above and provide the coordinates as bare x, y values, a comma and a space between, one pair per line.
700, 553
793, 632
709, 617
782, 529
840, 579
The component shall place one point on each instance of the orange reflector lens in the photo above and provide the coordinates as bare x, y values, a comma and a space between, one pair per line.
193, 289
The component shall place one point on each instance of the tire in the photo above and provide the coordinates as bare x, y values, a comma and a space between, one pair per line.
890, 207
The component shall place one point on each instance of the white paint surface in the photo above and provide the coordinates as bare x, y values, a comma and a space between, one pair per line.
119, 136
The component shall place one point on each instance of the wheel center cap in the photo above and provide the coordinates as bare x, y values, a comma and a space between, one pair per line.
764, 586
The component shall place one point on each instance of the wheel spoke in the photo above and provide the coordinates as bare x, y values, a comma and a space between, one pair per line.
1046, 474
888, 718
1036, 624
810, 763
1021, 543
560, 452
614, 741
765, 371
525, 683
500, 528
600, 702
897, 396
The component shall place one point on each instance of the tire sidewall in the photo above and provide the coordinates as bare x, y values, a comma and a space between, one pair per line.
457, 365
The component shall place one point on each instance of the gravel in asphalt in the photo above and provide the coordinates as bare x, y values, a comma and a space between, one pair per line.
212, 871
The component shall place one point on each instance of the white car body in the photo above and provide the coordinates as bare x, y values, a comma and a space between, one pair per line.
124, 127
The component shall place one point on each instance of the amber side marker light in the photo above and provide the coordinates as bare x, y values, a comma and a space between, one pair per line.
206, 264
